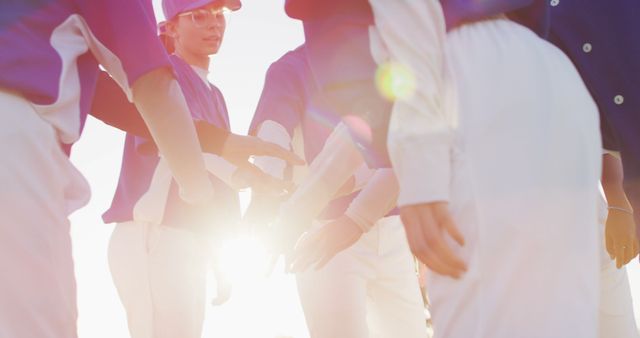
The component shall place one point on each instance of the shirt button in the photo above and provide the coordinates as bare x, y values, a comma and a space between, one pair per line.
619, 99
587, 47
555, 3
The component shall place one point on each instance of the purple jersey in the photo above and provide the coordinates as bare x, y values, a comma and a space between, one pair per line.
206, 103
291, 98
51, 50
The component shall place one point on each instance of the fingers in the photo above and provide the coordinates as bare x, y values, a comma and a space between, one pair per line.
427, 241
630, 252
609, 246
421, 251
436, 264
273, 186
451, 228
334, 248
265, 184
435, 238
263, 148
624, 252
634, 252
620, 255
327, 257
240, 148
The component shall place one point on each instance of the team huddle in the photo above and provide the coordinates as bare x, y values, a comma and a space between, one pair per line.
494, 142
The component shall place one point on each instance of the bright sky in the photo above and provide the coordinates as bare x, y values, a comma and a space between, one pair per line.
260, 308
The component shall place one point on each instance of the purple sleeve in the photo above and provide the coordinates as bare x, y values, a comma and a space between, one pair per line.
282, 99
124, 38
317, 9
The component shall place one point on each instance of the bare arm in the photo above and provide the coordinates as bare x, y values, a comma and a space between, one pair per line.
161, 103
620, 236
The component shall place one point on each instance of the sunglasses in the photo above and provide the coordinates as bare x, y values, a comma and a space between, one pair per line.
203, 16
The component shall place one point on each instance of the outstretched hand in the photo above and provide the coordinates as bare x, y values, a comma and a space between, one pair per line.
238, 149
282, 237
319, 247
249, 175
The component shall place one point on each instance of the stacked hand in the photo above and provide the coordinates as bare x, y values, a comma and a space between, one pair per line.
281, 238
239, 148
319, 247
250, 176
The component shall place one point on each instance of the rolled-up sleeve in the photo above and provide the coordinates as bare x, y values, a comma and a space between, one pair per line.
421, 128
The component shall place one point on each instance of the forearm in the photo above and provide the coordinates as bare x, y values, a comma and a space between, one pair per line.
612, 182
377, 198
263, 208
161, 103
328, 172
111, 106
362, 176
211, 138
271, 131
221, 168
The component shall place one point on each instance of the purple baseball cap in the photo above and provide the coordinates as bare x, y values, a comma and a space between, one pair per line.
171, 8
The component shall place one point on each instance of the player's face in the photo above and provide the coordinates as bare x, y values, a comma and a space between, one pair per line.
200, 31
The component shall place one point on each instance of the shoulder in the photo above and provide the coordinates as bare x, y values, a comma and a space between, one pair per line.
217, 94
291, 64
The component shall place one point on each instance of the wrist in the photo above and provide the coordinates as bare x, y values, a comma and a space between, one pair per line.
355, 224
240, 179
620, 209
212, 139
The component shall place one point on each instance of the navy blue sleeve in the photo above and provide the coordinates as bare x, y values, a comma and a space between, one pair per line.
602, 38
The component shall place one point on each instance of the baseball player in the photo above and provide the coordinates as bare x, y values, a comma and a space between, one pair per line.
366, 285
161, 248
50, 65
506, 217
615, 316
574, 29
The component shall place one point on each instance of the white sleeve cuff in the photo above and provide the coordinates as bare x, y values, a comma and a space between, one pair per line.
362, 176
423, 169
374, 201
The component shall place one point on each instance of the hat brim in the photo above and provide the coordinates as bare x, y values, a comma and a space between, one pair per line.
232, 5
